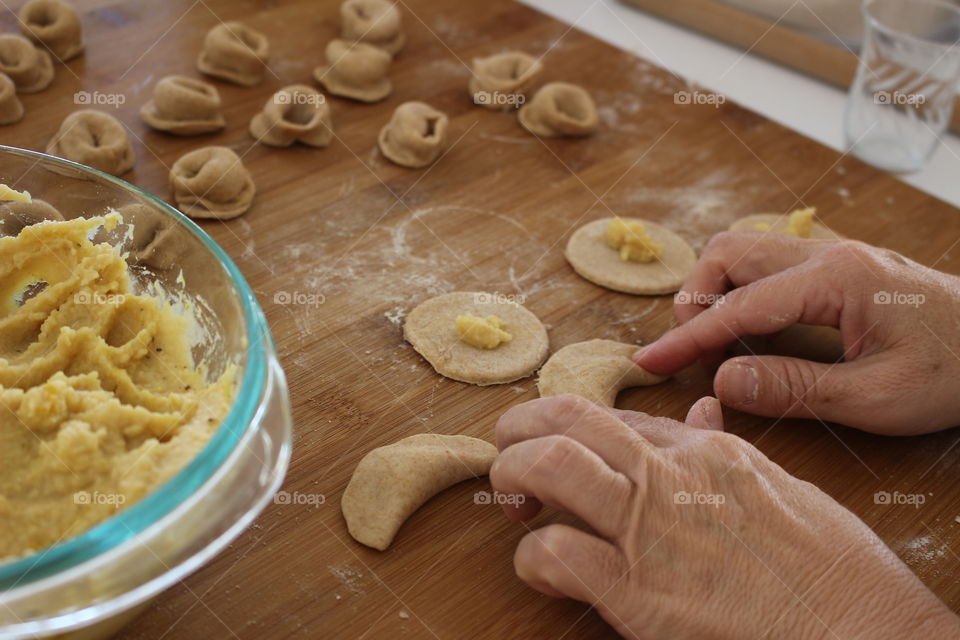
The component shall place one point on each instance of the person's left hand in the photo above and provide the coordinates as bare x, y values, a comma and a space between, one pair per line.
697, 533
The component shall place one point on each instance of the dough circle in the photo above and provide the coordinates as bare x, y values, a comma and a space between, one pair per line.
430, 328
779, 222
596, 369
591, 257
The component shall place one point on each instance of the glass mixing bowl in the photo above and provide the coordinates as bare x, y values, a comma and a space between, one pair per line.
90, 585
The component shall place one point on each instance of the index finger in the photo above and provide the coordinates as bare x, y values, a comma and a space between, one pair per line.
797, 295
733, 259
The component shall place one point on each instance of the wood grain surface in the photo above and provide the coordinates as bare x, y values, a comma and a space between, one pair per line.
493, 214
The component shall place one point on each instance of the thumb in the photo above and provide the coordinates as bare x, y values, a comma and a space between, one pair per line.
777, 386
706, 414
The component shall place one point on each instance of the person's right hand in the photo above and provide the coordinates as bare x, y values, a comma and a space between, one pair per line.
899, 322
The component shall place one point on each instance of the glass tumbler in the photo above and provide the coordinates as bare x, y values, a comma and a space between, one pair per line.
901, 100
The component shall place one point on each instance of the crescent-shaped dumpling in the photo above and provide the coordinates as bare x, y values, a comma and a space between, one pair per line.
392, 482
596, 369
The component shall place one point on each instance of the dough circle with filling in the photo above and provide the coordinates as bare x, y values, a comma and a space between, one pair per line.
591, 257
431, 329
779, 222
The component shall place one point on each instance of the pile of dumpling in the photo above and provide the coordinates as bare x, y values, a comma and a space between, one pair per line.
212, 182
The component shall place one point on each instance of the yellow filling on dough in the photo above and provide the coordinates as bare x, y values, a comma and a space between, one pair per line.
100, 400
633, 241
12, 195
482, 333
800, 223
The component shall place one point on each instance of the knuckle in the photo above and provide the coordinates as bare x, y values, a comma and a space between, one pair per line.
552, 541
727, 446
563, 406
537, 551
720, 241
506, 424
556, 454
850, 255
798, 384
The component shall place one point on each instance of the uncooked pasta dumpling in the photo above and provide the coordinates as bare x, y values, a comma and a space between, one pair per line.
93, 138
375, 22
55, 26
184, 106
415, 135
211, 182
500, 81
11, 109
355, 70
30, 68
297, 113
234, 52
153, 240
560, 109
14, 216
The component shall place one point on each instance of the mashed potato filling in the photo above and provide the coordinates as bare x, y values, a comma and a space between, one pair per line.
100, 401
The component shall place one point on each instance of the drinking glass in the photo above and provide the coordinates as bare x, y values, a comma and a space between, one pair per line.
901, 100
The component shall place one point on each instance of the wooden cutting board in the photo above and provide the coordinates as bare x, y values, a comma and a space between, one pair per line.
375, 239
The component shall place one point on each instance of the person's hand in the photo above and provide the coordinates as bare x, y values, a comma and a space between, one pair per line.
696, 534
899, 322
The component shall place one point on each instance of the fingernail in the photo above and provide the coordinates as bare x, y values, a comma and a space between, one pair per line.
706, 411
740, 383
712, 413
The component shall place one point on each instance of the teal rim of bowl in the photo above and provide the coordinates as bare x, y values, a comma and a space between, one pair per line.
161, 501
